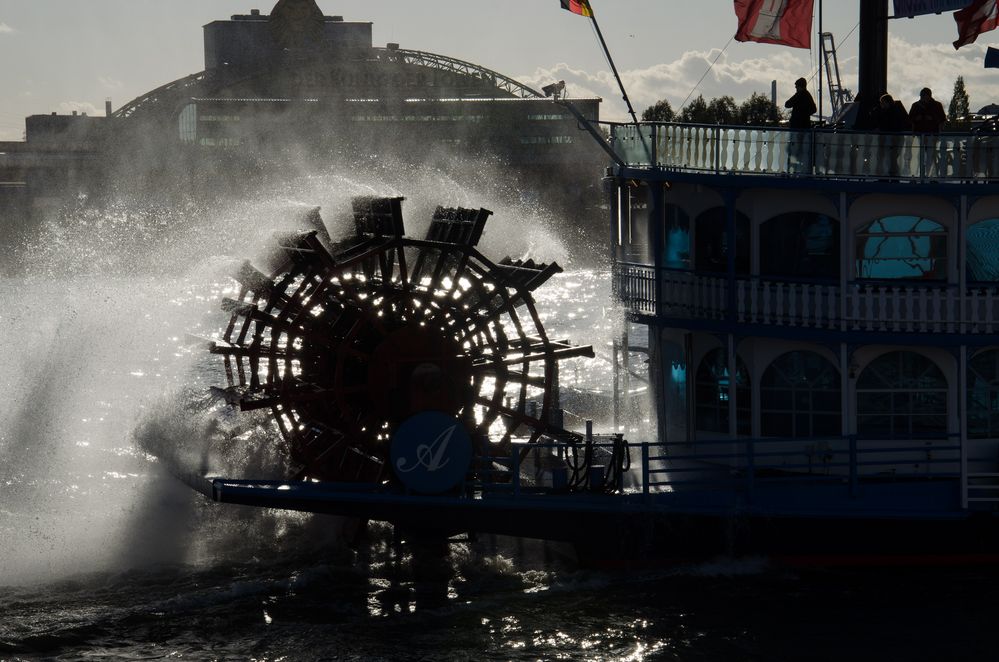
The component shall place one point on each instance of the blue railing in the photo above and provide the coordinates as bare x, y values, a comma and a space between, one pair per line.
726, 464
817, 153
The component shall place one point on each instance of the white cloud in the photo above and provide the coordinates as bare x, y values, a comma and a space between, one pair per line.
110, 83
911, 67
67, 107
5, 29
937, 66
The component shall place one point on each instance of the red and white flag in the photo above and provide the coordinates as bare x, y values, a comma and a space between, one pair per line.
785, 22
978, 17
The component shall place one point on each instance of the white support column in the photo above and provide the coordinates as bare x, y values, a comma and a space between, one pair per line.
626, 364
960, 258
845, 397
616, 384
733, 427
845, 258
962, 420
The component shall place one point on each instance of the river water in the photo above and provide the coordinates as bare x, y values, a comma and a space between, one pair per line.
104, 555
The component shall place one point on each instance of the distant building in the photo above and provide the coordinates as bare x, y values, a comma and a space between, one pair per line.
303, 85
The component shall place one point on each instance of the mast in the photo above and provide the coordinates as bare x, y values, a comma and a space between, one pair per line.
873, 56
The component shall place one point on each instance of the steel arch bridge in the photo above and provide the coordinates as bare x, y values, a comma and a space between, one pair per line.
453, 65
200, 83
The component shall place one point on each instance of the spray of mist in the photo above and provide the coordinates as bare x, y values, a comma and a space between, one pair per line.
107, 387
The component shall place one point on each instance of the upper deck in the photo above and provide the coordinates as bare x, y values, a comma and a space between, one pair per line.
827, 154
827, 225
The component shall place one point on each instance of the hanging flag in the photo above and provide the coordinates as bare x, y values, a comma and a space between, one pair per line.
785, 22
911, 8
992, 58
581, 7
978, 17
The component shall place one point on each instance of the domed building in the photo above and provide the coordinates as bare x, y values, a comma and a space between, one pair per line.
298, 87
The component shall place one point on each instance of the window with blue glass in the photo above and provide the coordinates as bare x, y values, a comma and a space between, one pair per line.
711, 394
677, 237
800, 397
983, 251
902, 247
675, 394
983, 395
901, 393
711, 241
800, 245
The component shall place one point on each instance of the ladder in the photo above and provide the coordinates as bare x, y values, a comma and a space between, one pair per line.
838, 96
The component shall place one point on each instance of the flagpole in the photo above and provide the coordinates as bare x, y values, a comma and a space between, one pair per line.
610, 60
620, 83
822, 60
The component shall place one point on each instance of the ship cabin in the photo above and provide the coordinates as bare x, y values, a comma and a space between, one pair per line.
821, 307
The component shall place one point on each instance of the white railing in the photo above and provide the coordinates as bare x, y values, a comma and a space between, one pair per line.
868, 306
821, 153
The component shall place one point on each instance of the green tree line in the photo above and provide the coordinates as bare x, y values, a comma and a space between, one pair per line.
756, 110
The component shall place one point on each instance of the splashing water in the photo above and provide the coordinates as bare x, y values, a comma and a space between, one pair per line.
106, 386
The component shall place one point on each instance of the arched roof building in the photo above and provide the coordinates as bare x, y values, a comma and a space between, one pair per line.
299, 86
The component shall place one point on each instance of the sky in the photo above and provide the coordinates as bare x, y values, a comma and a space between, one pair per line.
64, 55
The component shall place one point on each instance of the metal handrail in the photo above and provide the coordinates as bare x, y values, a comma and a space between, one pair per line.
819, 153
849, 459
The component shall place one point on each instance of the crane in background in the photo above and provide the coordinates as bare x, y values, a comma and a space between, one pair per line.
839, 97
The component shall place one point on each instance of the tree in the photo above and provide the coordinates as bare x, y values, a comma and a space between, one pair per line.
723, 110
758, 110
660, 111
696, 112
959, 103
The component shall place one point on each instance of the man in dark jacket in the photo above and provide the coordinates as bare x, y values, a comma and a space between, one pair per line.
890, 117
928, 118
927, 114
799, 146
802, 106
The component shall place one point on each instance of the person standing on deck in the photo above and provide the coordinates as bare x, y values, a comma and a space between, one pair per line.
927, 114
928, 118
890, 118
802, 106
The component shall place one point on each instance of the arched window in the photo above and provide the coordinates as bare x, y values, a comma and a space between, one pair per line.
677, 238
905, 247
901, 393
800, 244
712, 397
711, 242
800, 397
983, 251
983, 395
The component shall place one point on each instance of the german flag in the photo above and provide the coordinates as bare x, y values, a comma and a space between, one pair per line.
581, 7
